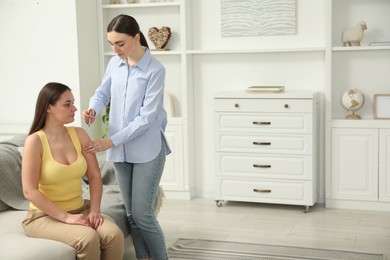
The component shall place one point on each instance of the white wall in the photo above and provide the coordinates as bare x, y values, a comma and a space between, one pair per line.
40, 43
219, 72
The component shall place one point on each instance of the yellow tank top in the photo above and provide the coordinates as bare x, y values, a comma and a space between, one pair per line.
61, 183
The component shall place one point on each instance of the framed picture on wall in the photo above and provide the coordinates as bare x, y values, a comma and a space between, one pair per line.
382, 106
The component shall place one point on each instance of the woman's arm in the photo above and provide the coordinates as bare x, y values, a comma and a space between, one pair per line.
152, 101
31, 171
94, 179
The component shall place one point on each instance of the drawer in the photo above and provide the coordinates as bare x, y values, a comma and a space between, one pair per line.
279, 144
263, 166
284, 192
264, 123
264, 105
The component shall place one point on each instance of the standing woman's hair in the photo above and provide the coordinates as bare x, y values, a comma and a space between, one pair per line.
48, 95
128, 25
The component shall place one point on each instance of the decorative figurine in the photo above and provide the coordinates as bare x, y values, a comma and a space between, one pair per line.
354, 35
160, 37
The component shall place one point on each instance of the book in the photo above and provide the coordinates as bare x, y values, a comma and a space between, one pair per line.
385, 43
265, 89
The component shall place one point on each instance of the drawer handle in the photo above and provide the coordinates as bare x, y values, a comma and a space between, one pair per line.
261, 143
261, 123
262, 190
261, 165
236, 105
286, 106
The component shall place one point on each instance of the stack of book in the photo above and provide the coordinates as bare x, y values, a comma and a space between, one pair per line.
265, 89
384, 43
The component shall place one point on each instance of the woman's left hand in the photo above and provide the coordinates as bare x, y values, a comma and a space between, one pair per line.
98, 145
95, 219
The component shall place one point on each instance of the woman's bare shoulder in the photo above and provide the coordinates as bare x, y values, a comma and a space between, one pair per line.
82, 134
32, 143
32, 139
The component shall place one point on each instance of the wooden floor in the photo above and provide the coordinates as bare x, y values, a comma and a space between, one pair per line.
353, 230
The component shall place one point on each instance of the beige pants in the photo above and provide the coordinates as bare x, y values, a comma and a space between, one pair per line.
106, 242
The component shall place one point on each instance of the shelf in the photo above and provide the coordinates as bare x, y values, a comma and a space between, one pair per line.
361, 48
230, 51
153, 52
280, 50
166, 52
141, 5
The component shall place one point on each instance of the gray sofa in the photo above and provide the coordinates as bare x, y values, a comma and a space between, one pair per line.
14, 244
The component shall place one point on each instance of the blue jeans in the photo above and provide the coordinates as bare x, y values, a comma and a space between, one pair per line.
139, 185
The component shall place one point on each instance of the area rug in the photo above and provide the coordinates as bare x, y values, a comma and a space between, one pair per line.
224, 250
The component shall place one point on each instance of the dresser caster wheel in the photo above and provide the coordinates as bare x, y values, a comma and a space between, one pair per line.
219, 203
306, 209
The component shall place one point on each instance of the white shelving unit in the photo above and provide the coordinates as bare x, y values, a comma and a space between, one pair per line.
355, 177
234, 63
178, 177
309, 60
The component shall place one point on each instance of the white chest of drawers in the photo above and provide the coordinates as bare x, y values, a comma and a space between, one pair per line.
266, 147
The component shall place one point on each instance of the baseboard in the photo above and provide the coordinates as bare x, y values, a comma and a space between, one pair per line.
358, 205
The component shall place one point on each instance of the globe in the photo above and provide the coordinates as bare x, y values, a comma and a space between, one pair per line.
352, 100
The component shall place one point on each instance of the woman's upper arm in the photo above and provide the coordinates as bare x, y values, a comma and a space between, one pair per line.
92, 164
31, 162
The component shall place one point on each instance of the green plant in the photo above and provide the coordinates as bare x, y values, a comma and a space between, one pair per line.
105, 119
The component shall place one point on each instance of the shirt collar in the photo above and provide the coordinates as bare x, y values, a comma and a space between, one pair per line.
145, 60
143, 63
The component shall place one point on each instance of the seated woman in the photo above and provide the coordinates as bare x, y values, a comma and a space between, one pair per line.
52, 169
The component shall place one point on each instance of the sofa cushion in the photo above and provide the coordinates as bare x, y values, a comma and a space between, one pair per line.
3, 206
17, 246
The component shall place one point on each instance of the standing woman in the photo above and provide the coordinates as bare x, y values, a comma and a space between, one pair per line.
52, 169
134, 82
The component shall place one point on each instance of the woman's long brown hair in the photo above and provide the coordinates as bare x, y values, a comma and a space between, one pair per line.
48, 95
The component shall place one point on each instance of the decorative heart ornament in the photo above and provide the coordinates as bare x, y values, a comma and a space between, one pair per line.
160, 37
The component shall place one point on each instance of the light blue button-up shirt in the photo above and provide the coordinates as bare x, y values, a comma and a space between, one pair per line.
137, 116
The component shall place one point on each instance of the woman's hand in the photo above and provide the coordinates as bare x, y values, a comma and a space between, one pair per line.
98, 145
89, 116
95, 219
77, 219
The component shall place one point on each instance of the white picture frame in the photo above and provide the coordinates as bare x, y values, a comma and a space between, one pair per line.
382, 106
